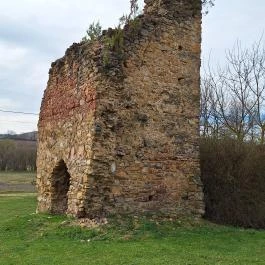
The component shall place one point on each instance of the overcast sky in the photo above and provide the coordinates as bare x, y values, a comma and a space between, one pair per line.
34, 33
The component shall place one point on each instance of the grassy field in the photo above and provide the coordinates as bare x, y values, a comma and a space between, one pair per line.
17, 182
27, 238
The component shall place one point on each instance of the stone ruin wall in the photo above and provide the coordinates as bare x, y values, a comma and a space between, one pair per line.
129, 134
66, 126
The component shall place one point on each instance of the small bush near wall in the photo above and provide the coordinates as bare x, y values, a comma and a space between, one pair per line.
233, 174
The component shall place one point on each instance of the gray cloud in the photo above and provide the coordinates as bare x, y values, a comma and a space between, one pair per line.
33, 33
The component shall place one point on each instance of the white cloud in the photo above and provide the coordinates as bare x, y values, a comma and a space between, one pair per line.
17, 123
33, 33
228, 22
11, 57
7, 103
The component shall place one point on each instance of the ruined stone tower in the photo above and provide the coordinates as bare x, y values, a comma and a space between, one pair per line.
119, 128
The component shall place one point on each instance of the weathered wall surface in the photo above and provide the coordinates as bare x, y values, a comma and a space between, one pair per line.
66, 127
128, 134
150, 120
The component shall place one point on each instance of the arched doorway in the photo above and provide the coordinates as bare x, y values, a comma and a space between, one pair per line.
60, 183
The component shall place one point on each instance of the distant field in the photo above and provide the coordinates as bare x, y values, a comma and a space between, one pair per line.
27, 238
17, 182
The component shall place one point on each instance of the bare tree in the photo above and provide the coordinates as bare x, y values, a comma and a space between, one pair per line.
256, 83
233, 97
210, 119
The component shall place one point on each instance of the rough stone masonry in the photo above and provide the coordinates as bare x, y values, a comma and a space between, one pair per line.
119, 128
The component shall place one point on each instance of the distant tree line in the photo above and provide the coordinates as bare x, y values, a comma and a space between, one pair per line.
17, 155
30, 136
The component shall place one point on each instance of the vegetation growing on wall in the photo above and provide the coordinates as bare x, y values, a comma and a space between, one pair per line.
113, 39
93, 32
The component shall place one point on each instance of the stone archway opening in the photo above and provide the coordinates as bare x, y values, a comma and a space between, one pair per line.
60, 183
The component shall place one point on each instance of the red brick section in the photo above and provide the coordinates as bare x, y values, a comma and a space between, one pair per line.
63, 96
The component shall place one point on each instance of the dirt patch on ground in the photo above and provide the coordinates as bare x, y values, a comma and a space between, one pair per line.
4, 187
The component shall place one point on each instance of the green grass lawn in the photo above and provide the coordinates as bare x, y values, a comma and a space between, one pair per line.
27, 238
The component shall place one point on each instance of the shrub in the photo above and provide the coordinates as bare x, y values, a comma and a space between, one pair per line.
93, 32
233, 174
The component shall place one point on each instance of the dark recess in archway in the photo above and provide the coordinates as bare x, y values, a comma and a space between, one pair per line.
60, 182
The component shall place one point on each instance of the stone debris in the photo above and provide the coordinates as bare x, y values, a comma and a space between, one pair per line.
90, 223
